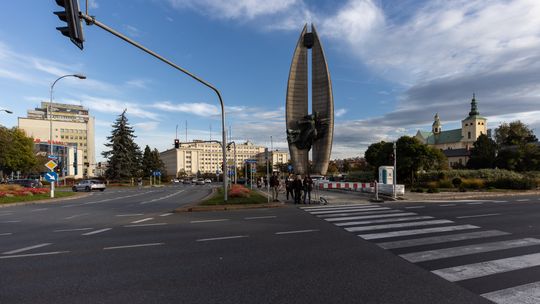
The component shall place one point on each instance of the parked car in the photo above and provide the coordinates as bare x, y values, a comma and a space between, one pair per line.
208, 181
175, 181
186, 181
199, 181
89, 185
27, 183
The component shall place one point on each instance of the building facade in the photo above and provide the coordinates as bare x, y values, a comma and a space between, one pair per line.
275, 158
71, 126
206, 157
456, 143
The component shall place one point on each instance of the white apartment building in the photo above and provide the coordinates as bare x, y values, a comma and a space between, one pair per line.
206, 157
275, 158
71, 126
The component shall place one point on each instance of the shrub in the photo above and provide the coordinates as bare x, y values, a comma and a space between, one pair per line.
445, 183
239, 191
433, 190
472, 183
456, 181
517, 184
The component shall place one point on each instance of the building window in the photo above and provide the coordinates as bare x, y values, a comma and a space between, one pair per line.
469, 135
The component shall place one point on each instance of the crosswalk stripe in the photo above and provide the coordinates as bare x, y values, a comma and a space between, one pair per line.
358, 213
390, 220
476, 270
341, 208
444, 253
362, 217
397, 225
441, 239
336, 206
526, 294
373, 236
349, 210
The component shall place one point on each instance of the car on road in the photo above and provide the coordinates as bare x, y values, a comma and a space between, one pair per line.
199, 181
208, 181
186, 181
89, 185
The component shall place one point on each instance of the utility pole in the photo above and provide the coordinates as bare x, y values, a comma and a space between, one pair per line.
395, 172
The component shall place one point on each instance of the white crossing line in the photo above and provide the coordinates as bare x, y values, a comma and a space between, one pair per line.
72, 229
97, 231
415, 207
142, 220
476, 270
447, 205
223, 238
31, 254
146, 225
358, 213
76, 215
373, 236
525, 294
133, 246
477, 203
26, 248
477, 215
444, 253
260, 217
341, 208
5, 233
390, 220
350, 210
130, 214
398, 225
336, 206
363, 217
166, 214
296, 231
39, 209
523, 200
441, 239
208, 221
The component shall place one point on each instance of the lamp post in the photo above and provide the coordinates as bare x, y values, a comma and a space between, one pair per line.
50, 117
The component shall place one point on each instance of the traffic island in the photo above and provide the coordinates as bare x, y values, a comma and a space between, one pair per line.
239, 197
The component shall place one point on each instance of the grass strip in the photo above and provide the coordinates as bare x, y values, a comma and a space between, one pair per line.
217, 199
35, 197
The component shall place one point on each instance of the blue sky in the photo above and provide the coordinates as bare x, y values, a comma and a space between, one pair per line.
393, 65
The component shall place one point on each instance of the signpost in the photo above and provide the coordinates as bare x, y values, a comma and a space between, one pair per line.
51, 165
51, 177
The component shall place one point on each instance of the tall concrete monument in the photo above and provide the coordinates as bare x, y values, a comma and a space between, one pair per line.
309, 131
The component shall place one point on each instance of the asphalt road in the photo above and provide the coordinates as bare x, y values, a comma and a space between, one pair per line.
127, 247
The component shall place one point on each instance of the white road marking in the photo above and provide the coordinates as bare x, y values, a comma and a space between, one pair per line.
297, 231
447, 205
524, 294
358, 213
31, 254
390, 220
500, 202
444, 253
97, 231
162, 198
478, 215
350, 210
336, 206
72, 229
415, 207
133, 246
260, 217
26, 248
39, 209
477, 203
142, 220
7, 222
145, 225
208, 221
74, 216
476, 270
441, 239
398, 225
130, 214
341, 208
6, 214
223, 238
373, 236
71, 205
363, 217
166, 214
5, 233
523, 200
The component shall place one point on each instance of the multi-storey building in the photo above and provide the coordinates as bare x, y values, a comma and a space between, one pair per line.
206, 157
275, 158
71, 126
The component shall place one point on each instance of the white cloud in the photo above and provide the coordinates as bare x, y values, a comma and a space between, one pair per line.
138, 83
146, 126
340, 112
111, 106
131, 30
239, 9
197, 108
93, 4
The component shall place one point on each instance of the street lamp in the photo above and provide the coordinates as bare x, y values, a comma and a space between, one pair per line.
50, 117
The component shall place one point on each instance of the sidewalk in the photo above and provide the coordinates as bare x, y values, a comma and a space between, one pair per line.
412, 196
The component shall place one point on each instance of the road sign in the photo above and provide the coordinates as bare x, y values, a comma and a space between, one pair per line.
251, 161
51, 165
289, 167
51, 176
52, 157
156, 173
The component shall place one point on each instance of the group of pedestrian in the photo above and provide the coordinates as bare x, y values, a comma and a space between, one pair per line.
299, 189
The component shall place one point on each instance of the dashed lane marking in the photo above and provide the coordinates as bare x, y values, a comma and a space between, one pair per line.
477, 215
72, 229
32, 254
166, 214
133, 246
415, 207
5, 233
75, 216
223, 238
142, 220
447, 205
146, 225
208, 221
130, 214
97, 231
260, 217
26, 248
296, 231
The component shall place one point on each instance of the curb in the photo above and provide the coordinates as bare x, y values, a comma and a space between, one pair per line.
76, 196
474, 196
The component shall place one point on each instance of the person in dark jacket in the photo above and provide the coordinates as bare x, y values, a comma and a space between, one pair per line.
307, 187
297, 188
289, 186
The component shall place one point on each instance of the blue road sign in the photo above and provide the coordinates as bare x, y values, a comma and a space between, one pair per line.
51, 176
289, 167
251, 161
156, 173
52, 157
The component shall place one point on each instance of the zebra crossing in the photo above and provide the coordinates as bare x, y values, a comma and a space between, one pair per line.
462, 253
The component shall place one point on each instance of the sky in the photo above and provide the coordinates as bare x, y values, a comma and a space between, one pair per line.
393, 65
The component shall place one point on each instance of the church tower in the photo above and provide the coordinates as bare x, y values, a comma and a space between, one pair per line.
436, 128
474, 125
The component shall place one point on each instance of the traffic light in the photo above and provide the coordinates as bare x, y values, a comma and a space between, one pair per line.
176, 143
70, 15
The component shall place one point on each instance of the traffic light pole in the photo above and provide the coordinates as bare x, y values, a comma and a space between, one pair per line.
92, 21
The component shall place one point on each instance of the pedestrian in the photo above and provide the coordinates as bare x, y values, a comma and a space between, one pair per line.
308, 187
139, 183
297, 188
274, 184
259, 182
289, 186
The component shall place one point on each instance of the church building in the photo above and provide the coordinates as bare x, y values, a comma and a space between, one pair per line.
456, 143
